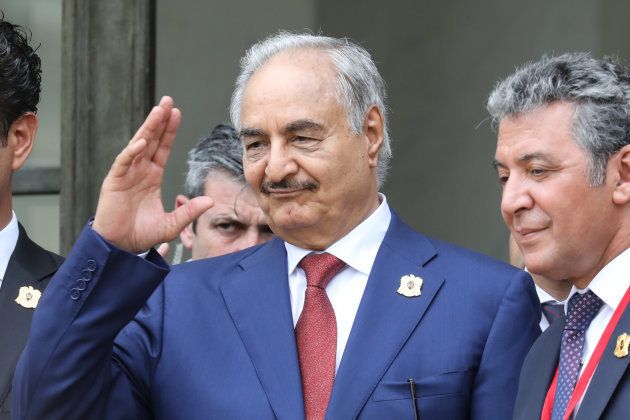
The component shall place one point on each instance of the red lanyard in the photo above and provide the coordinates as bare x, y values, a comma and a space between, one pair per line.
586, 376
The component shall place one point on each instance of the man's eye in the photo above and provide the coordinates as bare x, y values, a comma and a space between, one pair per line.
226, 227
537, 171
253, 145
255, 150
503, 179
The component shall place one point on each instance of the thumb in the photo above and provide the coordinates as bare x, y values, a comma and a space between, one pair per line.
185, 214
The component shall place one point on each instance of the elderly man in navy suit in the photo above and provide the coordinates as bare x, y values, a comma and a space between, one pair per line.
349, 313
563, 158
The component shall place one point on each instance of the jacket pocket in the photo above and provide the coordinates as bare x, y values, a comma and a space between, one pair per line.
442, 384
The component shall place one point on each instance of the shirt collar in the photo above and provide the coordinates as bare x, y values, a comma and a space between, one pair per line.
611, 283
8, 239
358, 248
545, 297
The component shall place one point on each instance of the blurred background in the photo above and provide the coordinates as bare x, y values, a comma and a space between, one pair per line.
440, 60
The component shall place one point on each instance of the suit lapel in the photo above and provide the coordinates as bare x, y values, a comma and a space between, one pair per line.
607, 375
28, 266
374, 342
538, 372
258, 300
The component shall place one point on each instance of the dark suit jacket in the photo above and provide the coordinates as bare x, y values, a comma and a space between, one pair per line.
607, 395
216, 338
30, 265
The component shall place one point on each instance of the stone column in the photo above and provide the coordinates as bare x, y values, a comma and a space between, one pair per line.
108, 79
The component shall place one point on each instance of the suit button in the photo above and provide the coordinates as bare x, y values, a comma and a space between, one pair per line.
91, 265
86, 274
75, 293
81, 284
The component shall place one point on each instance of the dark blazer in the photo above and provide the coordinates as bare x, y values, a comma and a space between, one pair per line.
607, 395
216, 338
30, 265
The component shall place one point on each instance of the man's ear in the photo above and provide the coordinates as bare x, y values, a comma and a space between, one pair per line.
621, 172
22, 137
374, 131
186, 235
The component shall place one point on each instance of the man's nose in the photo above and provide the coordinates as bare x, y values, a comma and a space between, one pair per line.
281, 162
516, 197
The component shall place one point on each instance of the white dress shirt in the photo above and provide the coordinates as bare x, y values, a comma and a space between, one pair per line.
8, 239
358, 250
545, 297
610, 285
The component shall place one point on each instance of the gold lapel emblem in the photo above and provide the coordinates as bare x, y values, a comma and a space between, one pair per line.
621, 349
410, 286
28, 297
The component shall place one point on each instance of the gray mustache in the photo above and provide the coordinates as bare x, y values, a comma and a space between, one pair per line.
286, 184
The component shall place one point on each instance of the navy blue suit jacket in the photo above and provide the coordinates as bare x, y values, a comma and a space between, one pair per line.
216, 337
29, 265
608, 393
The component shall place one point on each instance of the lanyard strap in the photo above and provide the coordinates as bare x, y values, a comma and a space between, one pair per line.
551, 393
586, 376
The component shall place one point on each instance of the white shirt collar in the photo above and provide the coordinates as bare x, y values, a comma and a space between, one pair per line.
545, 297
358, 248
611, 283
8, 239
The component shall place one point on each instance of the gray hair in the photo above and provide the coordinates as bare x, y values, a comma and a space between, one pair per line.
599, 89
222, 150
359, 84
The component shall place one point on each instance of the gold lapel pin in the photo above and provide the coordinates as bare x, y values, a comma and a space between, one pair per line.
410, 286
28, 297
621, 349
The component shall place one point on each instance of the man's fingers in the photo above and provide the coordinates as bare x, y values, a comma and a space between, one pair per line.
125, 158
155, 123
183, 215
160, 156
151, 125
163, 249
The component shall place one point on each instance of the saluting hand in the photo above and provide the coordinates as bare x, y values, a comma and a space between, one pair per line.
130, 213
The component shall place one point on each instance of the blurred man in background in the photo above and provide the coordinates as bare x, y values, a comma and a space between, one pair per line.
236, 221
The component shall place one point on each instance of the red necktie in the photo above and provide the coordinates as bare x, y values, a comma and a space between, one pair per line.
316, 334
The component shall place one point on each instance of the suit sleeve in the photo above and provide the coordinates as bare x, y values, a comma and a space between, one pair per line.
71, 367
514, 330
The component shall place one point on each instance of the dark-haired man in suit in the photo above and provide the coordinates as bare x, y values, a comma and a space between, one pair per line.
563, 158
25, 267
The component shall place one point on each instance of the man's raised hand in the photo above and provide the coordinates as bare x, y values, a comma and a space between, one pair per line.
130, 213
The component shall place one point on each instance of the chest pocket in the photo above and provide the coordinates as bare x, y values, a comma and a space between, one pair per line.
442, 384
